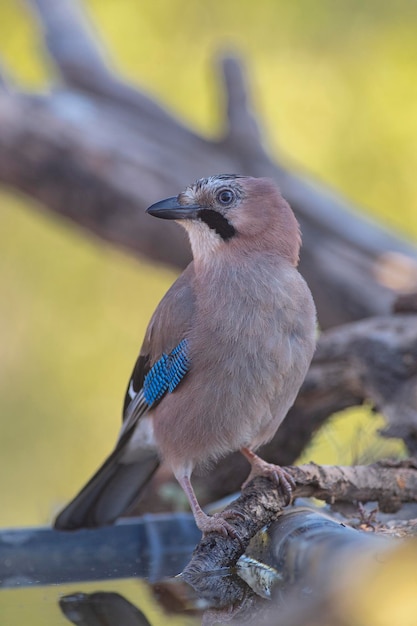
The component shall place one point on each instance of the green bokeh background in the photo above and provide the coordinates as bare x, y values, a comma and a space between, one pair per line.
335, 83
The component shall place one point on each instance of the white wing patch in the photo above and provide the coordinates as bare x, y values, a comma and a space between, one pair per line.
132, 393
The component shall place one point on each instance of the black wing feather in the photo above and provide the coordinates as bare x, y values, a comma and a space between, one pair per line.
136, 379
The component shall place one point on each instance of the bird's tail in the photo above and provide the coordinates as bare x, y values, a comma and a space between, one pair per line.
109, 493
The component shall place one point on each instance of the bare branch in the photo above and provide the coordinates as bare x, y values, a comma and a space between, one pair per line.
373, 361
261, 502
74, 48
242, 126
341, 276
388, 485
55, 151
306, 568
69, 38
259, 505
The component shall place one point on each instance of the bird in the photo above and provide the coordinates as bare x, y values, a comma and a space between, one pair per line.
224, 354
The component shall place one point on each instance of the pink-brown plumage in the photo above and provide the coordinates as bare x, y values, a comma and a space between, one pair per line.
249, 320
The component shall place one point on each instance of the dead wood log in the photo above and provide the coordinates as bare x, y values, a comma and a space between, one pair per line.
98, 151
300, 563
261, 502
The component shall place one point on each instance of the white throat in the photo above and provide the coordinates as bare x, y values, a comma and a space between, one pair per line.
204, 240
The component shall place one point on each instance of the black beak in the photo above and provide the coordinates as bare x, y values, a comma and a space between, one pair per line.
171, 209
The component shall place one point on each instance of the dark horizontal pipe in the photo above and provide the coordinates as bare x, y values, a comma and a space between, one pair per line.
154, 546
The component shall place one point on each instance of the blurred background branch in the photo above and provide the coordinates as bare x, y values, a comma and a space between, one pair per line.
99, 151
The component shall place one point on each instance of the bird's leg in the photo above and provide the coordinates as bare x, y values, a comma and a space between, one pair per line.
206, 523
259, 467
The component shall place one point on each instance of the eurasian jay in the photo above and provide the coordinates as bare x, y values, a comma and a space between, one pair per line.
224, 355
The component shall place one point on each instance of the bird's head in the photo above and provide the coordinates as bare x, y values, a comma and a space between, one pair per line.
228, 211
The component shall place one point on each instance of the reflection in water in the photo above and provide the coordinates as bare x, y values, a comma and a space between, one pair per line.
101, 609
112, 609
223, 597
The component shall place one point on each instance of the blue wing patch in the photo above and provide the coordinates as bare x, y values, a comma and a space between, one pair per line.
166, 374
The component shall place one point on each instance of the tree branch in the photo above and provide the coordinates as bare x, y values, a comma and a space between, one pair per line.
69, 38
80, 60
261, 502
55, 151
372, 361
388, 485
242, 130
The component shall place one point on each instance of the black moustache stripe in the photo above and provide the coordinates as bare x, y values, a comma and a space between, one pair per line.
217, 222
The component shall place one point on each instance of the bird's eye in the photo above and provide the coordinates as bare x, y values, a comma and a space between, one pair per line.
225, 197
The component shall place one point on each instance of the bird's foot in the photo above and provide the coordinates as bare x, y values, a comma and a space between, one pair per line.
217, 523
274, 472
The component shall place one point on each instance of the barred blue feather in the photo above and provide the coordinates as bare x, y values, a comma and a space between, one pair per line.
166, 374
179, 364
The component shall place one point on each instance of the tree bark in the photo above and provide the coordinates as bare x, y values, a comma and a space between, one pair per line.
262, 501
